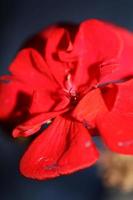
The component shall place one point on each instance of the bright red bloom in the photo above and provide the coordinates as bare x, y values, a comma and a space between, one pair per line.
80, 79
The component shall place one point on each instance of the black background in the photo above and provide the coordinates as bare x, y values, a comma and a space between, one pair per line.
18, 21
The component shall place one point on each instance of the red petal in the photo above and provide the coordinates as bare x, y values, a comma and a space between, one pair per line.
98, 36
45, 98
116, 126
46, 157
34, 123
124, 101
58, 39
48, 101
30, 68
116, 130
124, 63
89, 107
96, 51
15, 97
96, 43
126, 59
40, 160
80, 153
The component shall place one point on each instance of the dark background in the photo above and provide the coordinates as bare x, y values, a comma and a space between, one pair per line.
18, 21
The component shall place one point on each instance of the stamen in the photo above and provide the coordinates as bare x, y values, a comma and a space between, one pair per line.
69, 82
70, 88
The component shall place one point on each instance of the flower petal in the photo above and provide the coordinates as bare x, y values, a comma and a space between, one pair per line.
96, 43
30, 68
47, 155
123, 66
124, 100
41, 159
58, 39
89, 107
15, 97
126, 59
48, 101
80, 153
115, 127
46, 91
34, 122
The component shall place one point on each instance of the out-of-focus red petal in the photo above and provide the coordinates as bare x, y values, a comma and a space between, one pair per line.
89, 107
116, 130
47, 155
80, 153
124, 63
115, 127
124, 100
14, 97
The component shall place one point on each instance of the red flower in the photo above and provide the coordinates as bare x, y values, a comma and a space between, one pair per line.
79, 79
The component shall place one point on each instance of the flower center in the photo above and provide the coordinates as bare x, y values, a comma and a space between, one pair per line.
70, 91
74, 99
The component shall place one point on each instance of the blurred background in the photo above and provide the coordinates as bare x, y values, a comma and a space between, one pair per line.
18, 21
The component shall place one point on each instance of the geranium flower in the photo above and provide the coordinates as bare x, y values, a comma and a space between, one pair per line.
78, 79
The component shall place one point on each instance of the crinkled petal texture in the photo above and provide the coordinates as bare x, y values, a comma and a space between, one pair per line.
125, 61
96, 57
31, 86
92, 51
15, 97
64, 147
91, 105
30, 68
116, 126
53, 40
